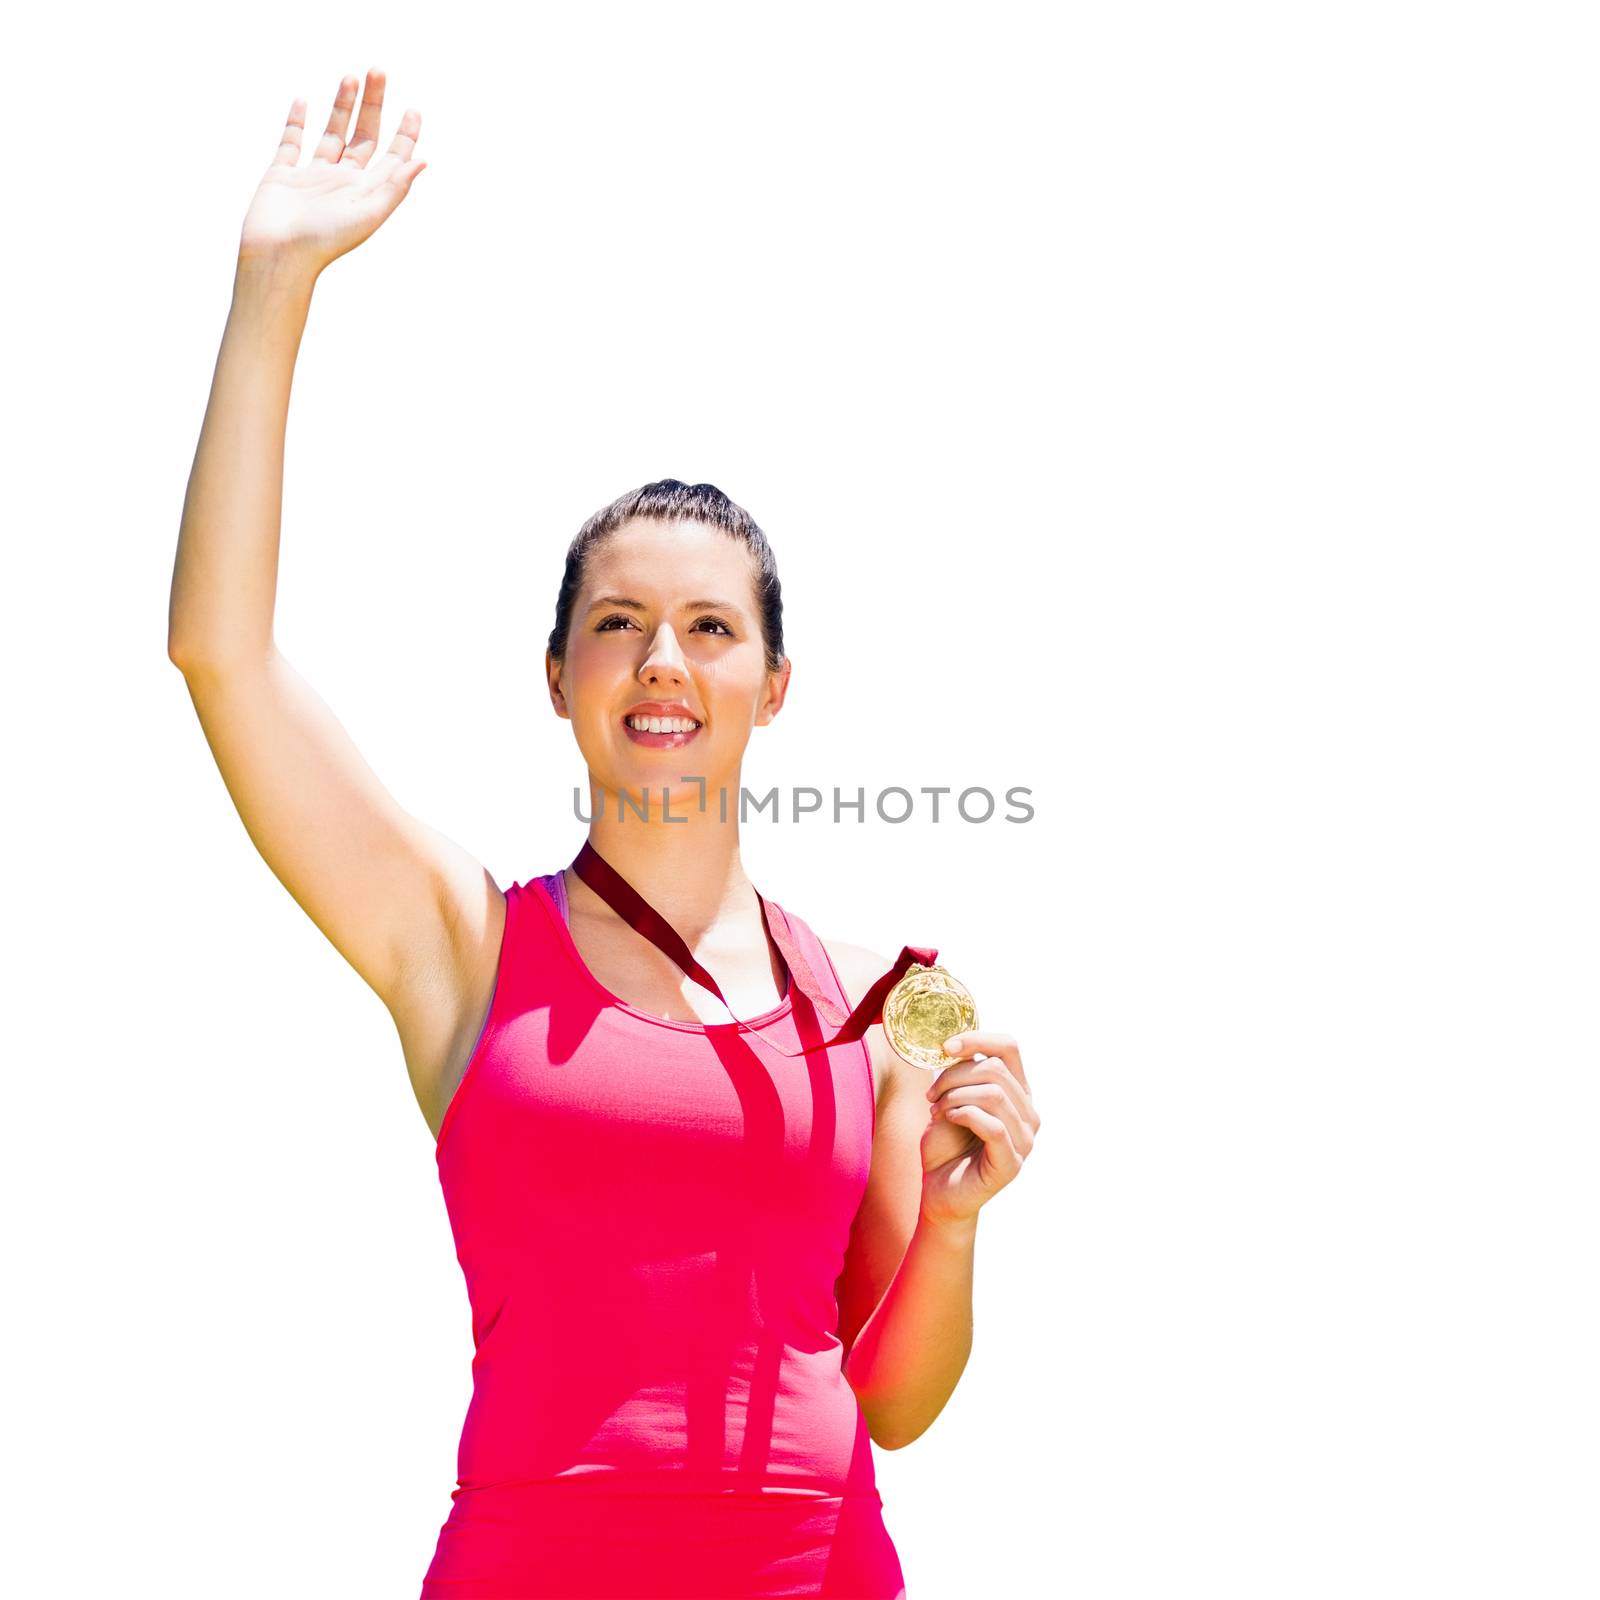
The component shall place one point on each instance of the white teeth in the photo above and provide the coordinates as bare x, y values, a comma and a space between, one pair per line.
663, 724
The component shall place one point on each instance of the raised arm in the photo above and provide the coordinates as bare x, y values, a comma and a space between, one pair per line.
411, 911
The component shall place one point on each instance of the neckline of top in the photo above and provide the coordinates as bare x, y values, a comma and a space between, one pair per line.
569, 945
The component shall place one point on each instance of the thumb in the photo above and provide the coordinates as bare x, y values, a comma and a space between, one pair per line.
399, 179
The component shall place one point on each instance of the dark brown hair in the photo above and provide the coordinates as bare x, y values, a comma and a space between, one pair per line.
670, 501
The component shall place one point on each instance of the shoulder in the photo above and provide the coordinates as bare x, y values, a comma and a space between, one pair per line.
858, 969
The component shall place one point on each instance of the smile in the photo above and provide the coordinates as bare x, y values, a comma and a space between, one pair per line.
661, 733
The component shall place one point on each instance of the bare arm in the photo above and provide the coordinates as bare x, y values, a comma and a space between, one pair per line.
225, 576
905, 1294
404, 905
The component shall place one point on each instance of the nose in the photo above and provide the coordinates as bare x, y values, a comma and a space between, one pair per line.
663, 666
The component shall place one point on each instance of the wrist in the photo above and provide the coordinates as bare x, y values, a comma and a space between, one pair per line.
273, 279
957, 1232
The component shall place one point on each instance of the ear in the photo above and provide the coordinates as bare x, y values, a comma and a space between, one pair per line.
552, 673
777, 688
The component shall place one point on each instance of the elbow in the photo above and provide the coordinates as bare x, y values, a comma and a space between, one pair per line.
887, 1438
192, 658
894, 1431
882, 1432
879, 1429
181, 653
896, 1441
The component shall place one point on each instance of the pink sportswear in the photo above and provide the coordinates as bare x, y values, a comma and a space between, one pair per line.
651, 1217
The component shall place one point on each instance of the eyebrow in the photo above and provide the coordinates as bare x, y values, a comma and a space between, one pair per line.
639, 605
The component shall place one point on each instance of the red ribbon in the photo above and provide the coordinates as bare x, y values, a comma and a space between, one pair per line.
644, 919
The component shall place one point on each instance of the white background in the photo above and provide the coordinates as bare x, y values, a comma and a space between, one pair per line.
1186, 412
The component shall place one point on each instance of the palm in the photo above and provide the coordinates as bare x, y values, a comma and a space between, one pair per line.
337, 199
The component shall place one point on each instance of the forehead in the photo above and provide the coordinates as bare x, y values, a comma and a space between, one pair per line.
656, 561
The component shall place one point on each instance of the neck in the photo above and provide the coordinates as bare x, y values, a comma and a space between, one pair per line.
689, 869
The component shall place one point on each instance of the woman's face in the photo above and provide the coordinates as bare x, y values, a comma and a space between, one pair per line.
666, 625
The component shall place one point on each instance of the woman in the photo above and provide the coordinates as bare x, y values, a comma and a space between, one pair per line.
711, 1255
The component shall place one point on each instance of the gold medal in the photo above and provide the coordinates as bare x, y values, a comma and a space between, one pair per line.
924, 1009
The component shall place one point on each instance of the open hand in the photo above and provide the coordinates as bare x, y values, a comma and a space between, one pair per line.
314, 213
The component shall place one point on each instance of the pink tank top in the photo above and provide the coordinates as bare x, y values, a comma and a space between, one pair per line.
651, 1217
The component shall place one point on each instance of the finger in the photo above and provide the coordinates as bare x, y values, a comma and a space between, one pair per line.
405, 138
970, 1069
365, 139
997, 1102
400, 179
390, 186
990, 1044
992, 1069
331, 145
289, 146
1002, 1153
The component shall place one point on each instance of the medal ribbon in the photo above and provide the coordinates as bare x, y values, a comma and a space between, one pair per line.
644, 919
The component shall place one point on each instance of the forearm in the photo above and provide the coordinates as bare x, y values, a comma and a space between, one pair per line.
910, 1354
225, 575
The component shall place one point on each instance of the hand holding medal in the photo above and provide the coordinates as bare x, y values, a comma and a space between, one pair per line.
983, 1123
981, 1129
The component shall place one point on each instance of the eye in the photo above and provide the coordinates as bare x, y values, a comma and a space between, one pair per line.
605, 625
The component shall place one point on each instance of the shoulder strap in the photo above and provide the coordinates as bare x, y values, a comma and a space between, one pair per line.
556, 887
808, 961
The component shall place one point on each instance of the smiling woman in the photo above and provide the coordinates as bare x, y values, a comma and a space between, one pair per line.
677, 1368
710, 1262
669, 633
